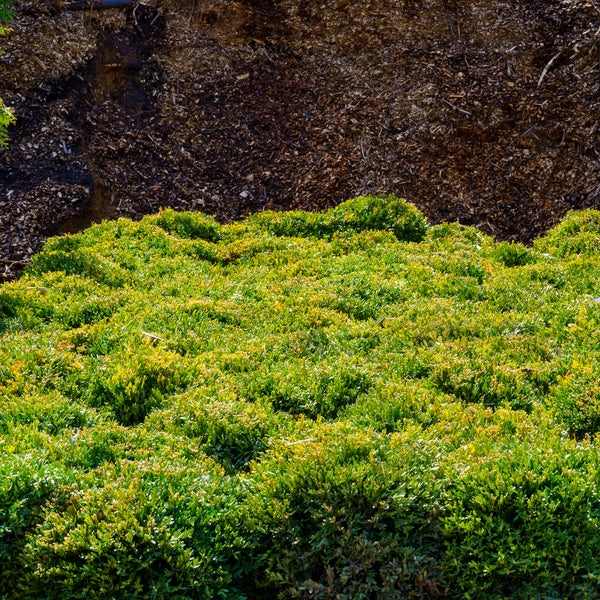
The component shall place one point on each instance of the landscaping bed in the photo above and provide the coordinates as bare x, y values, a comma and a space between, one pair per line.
483, 112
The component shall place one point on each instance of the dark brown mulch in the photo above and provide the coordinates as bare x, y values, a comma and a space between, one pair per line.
481, 111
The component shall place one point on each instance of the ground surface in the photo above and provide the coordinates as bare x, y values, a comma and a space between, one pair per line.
482, 111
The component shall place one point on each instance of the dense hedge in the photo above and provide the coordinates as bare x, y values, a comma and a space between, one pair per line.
345, 405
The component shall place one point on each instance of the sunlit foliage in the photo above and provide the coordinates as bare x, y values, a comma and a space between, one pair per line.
351, 404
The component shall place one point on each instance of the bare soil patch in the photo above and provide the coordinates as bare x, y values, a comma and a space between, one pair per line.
481, 111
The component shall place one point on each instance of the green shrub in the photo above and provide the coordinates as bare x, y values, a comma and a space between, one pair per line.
576, 399
126, 539
89, 310
234, 432
489, 384
189, 225
134, 384
577, 233
338, 521
385, 213
49, 412
301, 406
522, 524
6, 115
313, 390
513, 254
8, 305
26, 484
453, 236
392, 406
81, 262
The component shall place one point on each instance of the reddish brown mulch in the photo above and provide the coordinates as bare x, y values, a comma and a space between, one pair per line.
482, 111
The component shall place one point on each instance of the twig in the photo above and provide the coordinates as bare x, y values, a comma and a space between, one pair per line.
40, 290
362, 150
528, 131
4, 261
135, 19
462, 110
300, 441
153, 337
191, 14
85, 4
452, 30
547, 67
243, 196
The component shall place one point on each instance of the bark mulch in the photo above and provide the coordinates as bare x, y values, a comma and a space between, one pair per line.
478, 111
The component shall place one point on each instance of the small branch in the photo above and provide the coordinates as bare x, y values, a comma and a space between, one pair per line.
135, 19
462, 110
42, 291
191, 14
4, 261
547, 67
153, 337
86, 4
530, 130
306, 441
362, 150
243, 196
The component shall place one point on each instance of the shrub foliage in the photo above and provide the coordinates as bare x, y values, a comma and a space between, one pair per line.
344, 405
6, 115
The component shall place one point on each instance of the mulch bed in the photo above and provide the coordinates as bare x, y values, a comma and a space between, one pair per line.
480, 111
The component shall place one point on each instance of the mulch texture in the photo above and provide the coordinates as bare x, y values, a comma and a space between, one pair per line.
481, 111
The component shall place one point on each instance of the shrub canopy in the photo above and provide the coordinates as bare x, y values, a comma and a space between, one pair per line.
350, 404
